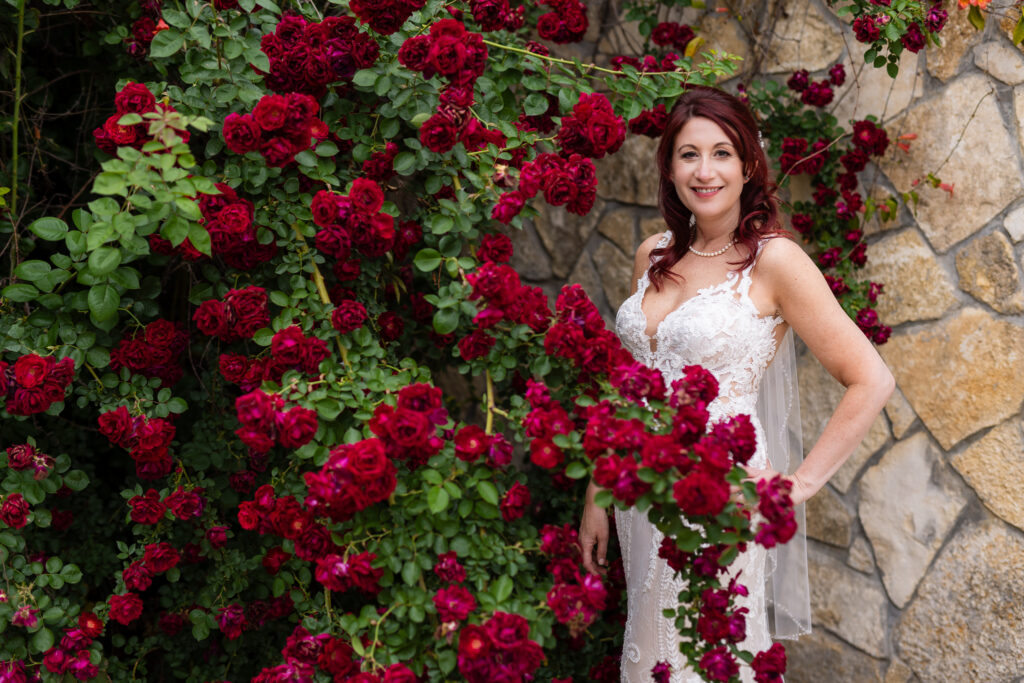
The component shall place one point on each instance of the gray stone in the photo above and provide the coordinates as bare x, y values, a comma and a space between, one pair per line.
810, 657
870, 91
528, 255
1001, 61
964, 125
988, 272
960, 375
828, 520
619, 227
820, 393
898, 672
585, 275
900, 413
958, 37
849, 604
915, 285
1018, 108
652, 226
724, 33
1014, 224
860, 557
631, 174
564, 234
908, 503
994, 468
616, 273
967, 622
803, 38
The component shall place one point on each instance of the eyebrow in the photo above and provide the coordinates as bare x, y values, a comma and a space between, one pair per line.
724, 143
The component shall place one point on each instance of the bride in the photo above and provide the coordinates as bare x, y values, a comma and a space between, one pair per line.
721, 288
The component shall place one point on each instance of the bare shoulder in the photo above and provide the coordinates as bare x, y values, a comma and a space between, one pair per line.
642, 261
783, 260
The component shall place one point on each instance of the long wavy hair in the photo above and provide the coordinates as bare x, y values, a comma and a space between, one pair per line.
759, 208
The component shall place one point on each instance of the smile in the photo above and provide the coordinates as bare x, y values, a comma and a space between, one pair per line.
706, 191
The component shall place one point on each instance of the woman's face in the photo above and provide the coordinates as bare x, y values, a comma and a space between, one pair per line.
707, 172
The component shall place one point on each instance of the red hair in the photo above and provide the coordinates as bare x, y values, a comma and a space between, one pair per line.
759, 210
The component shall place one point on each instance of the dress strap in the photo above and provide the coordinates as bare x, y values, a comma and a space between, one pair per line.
665, 239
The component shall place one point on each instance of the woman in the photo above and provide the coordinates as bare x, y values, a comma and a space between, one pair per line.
721, 288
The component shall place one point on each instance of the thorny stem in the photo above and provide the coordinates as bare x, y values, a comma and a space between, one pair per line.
585, 67
321, 288
14, 133
489, 427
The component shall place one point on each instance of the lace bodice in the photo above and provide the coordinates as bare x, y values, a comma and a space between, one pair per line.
721, 329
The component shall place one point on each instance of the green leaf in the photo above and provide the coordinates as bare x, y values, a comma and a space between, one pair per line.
411, 572
437, 499
200, 239
893, 69
98, 357
174, 230
103, 301
1018, 30
427, 260
502, 588
32, 270
104, 260
49, 229
535, 104
365, 78
71, 573
326, 149
576, 470
110, 183
405, 163
19, 292
42, 640
76, 480
165, 43
976, 18
446, 320
488, 492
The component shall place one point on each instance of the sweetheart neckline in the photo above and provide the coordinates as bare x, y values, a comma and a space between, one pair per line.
732, 275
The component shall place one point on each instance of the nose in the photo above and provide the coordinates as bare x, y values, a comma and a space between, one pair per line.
704, 170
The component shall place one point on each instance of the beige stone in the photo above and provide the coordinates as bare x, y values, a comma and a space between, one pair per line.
908, 503
900, 414
528, 255
652, 226
860, 557
564, 234
978, 149
619, 227
585, 275
803, 38
994, 468
849, 604
961, 375
616, 272
631, 174
958, 37
967, 622
723, 33
828, 520
819, 396
1018, 108
898, 672
1014, 224
988, 272
812, 655
915, 285
1000, 61
872, 91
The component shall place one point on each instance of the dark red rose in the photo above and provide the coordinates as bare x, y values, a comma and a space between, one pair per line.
30, 370
348, 316
454, 603
366, 196
514, 503
390, 326
324, 208
148, 508
278, 151
185, 504
475, 345
701, 493
837, 75
866, 29
271, 112
249, 310
413, 53
213, 319
134, 98
124, 609
439, 133
508, 207
913, 39
159, 557
241, 133
14, 511
117, 425
296, 427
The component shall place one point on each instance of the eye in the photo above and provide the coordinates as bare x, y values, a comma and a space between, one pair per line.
688, 155
722, 154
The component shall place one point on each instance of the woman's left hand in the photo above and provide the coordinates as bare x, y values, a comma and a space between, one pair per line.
799, 492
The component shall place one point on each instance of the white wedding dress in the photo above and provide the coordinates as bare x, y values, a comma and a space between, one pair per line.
721, 329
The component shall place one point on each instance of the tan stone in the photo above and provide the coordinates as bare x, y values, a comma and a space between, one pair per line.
528, 255
872, 91
916, 286
652, 226
585, 275
1018, 108
849, 604
828, 520
994, 468
988, 272
812, 655
967, 622
723, 33
978, 149
900, 414
908, 503
803, 38
860, 557
564, 234
819, 396
630, 175
616, 272
1001, 61
958, 37
619, 227
961, 375
898, 672
1014, 224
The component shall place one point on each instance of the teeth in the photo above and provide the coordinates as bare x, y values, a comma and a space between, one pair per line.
706, 190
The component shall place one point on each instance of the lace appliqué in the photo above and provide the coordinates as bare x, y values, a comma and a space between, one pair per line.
721, 329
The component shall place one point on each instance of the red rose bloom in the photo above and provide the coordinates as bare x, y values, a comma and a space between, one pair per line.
475, 345
439, 133
471, 442
514, 503
241, 133
117, 425
184, 504
14, 511
701, 493
348, 316
296, 427
390, 325
454, 603
124, 609
134, 98
148, 508
159, 557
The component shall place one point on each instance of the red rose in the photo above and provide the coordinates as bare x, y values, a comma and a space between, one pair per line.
324, 208
14, 511
124, 609
134, 98
286, 345
155, 436
701, 493
213, 319
514, 503
471, 442
249, 308
271, 112
508, 207
159, 557
137, 577
241, 133
770, 664
454, 603
390, 325
399, 673
367, 460
544, 453
233, 367
279, 151
255, 409
366, 196
117, 425
185, 504
413, 53
439, 133
475, 345
147, 509
30, 371
296, 427
217, 536
348, 316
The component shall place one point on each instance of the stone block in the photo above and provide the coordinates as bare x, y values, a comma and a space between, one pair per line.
563, 234
828, 520
967, 621
619, 227
813, 655
1014, 224
585, 275
960, 375
652, 226
723, 33
908, 503
916, 286
849, 604
616, 272
974, 148
1018, 108
528, 255
803, 38
988, 272
630, 175
820, 393
1000, 61
994, 468
871, 91
900, 414
860, 557
958, 37
898, 672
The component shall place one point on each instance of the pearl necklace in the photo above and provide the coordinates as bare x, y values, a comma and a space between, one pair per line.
713, 253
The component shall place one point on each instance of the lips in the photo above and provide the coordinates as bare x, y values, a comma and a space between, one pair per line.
706, 191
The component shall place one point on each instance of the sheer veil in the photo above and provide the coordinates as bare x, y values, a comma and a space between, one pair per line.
778, 408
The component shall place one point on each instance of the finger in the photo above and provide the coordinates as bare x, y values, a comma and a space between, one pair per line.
602, 550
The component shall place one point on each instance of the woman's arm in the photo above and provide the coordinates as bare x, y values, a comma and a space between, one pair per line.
805, 301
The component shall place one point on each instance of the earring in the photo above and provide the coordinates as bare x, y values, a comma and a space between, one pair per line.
693, 220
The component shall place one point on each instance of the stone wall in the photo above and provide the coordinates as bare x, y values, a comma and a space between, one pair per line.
917, 550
